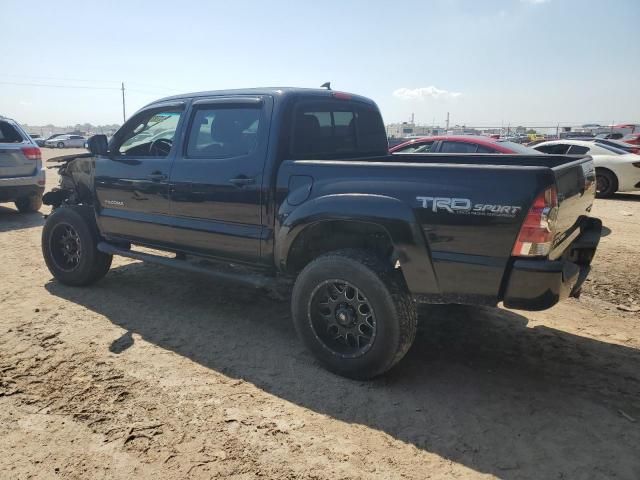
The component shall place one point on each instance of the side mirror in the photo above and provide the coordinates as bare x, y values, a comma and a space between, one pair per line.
98, 145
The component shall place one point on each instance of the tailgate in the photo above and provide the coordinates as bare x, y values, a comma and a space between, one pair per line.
13, 163
576, 184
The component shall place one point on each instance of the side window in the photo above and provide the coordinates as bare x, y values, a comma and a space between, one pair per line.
150, 135
9, 134
458, 147
223, 132
578, 150
424, 148
483, 149
331, 129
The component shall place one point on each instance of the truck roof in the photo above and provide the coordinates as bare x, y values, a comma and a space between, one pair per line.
281, 92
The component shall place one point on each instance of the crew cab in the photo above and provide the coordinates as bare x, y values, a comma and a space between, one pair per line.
294, 190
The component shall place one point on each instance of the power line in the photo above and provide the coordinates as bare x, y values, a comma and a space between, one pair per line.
57, 86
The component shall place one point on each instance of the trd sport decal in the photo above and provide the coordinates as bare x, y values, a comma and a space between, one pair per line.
463, 206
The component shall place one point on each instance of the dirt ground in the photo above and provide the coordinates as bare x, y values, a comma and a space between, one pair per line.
154, 373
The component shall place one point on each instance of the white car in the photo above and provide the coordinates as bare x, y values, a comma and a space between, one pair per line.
66, 141
616, 170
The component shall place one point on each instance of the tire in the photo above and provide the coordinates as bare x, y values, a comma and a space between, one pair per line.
29, 204
69, 247
607, 183
374, 345
60, 145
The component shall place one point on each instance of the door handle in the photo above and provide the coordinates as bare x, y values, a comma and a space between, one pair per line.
242, 181
157, 176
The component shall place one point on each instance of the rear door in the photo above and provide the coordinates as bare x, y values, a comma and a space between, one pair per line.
13, 162
132, 181
76, 141
217, 180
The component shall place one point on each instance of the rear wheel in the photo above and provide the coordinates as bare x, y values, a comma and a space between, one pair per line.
606, 183
69, 246
354, 313
29, 204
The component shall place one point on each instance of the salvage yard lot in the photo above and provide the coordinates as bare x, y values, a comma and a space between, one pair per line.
155, 373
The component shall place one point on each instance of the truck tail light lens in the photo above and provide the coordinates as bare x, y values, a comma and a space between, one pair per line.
32, 153
341, 96
536, 234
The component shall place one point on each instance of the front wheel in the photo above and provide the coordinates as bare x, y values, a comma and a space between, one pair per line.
69, 247
60, 145
354, 313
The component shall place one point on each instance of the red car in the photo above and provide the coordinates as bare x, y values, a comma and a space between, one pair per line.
632, 138
461, 144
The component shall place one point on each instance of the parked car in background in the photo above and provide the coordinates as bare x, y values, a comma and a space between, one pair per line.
37, 138
627, 147
22, 176
66, 141
632, 138
55, 135
533, 137
461, 144
616, 169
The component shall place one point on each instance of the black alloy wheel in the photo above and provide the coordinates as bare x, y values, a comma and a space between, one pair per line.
342, 318
66, 248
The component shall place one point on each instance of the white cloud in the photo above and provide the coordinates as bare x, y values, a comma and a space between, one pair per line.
423, 93
535, 2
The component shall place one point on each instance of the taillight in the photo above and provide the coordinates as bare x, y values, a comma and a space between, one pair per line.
341, 95
536, 234
32, 153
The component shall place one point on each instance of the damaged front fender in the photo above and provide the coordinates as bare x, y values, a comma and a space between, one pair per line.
76, 180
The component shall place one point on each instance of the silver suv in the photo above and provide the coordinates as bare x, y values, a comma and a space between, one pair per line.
22, 176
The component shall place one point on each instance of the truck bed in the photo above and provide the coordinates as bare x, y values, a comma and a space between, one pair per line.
469, 253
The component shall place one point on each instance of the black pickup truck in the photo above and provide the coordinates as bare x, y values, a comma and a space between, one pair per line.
286, 186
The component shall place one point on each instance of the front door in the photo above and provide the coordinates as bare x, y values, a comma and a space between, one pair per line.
216, 182
132, 181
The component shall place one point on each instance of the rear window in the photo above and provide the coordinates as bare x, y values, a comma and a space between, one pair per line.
578, 150
336, 129
9, 133
517, 148
458, 147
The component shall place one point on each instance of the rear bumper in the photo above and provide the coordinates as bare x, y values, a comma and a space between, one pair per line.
10, 193
540, 284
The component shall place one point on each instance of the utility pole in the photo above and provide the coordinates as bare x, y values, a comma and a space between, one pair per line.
124, 114
447, 121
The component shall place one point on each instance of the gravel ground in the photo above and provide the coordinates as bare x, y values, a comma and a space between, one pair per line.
153, 373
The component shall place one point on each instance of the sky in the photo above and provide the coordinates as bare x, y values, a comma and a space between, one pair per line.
488, 63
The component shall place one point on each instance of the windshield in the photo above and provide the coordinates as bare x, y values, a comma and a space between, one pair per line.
517, 148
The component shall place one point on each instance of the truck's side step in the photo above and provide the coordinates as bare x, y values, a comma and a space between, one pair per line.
251, 279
